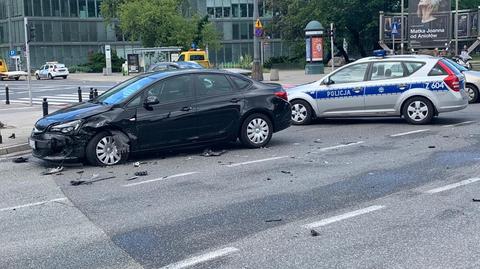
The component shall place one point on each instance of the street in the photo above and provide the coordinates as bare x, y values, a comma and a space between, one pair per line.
340, 193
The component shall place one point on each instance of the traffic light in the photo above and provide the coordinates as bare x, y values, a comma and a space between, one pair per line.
31, 32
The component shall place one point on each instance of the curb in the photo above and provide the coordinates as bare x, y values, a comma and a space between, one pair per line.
14, 148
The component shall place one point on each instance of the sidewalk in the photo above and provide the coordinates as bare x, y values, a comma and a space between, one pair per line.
19, 120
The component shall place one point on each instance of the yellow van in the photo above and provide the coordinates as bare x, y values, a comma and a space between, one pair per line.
199, 56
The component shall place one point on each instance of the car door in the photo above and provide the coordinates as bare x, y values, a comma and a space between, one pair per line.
43, 71
219, 104
342, 93
173, 120
386, 84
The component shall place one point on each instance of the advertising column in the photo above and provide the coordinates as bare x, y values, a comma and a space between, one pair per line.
429, 23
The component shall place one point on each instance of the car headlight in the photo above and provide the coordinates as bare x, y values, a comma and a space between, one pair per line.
67, 127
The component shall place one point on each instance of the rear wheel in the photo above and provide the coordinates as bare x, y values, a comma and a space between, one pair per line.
472, 92
50, 76
64, 77
37, 76
102, 150
256, 132
17, 78
418, 110
301, 112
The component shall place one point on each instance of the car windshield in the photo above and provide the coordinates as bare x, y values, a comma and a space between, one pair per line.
123, 91
60, 66
188, 65
459, 67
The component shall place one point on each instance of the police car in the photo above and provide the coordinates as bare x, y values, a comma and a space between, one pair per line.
412, 86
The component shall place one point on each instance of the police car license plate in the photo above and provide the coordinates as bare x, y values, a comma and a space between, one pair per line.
32, 144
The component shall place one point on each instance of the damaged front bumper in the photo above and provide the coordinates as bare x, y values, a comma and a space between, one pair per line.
57, 147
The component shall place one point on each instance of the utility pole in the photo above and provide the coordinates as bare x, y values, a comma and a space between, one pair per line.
402, 25
257, 73
456, 27
331, 42
27, 51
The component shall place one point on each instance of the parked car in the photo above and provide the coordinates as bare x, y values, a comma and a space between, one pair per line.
415, 87
472, 79
51, 70
163, 110
174, 66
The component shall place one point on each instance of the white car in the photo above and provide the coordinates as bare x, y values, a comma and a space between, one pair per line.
52, 70
472, 79
415, 87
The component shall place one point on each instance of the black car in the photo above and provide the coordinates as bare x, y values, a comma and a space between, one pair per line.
163, 110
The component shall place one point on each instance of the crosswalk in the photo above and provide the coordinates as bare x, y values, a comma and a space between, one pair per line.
57, 99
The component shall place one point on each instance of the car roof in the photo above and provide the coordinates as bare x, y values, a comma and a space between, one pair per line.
398, 57
168, 73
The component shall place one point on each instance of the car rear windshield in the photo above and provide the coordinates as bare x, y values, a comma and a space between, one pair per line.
59, 66
459, 67
125, 90
452, 67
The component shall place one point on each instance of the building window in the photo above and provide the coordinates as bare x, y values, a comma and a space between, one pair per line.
250, 10
244, 31
250, 31
47, 10
243, 10
28, 8
73, 8
91, 8
99, 4
218, 12
83, 8
210, 12
235, 31
226, 12
37, 8
64, 8
56, 8
235, 11
260, 9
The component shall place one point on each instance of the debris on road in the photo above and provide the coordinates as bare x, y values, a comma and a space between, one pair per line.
136, 164
55, 170
273, 220
88, 182
269, 178
20, 160
12, 136
141, 173
132, 178
286, 172
475, 200
317, 141
211, 153
431, 147
2, 124
80, 172
314, 233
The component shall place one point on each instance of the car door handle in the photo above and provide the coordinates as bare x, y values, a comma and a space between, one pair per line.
357, 89
234, 100
402, 86
186, 108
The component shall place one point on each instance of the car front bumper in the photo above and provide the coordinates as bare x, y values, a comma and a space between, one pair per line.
57, 147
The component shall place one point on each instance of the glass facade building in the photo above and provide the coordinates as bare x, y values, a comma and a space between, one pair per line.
66, 30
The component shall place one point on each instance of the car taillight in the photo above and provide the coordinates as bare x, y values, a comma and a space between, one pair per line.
282, 94
452, 81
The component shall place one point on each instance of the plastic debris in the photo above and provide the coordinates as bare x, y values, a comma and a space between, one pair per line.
87, 182
141, 173
12, 136
475, 200
136, 164
317, 141
211, 153
132, 178
431, 147
273, 220
53, 170
314, 233
20, 160
286, 172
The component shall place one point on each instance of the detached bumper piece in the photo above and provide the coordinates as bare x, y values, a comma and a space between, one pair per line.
53, 147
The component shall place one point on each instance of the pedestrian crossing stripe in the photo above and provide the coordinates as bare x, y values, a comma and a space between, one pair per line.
60, 99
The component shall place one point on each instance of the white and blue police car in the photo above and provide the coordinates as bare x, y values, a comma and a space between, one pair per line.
415, 87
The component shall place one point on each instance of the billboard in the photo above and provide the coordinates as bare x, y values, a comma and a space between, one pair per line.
317, 49
474, 31
388, 22
429, 23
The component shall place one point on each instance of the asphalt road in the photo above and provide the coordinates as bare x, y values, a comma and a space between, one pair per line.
58, 91
350, 193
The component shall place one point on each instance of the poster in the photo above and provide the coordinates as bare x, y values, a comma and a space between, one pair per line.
317, 49
133, 63
474, 24
463, 25
429, 23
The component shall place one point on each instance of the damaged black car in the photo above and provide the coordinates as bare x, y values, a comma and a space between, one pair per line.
163, 110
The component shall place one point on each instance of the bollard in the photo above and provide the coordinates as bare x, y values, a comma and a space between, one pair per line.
274, 75
95, 93
90, 96
7, 95
79, 94
45, 107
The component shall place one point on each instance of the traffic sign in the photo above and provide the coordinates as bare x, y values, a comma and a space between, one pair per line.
12, 53
395, 28
258, 32
258, 24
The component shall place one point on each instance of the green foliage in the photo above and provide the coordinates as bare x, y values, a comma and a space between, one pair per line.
275, 62
96, 63
246, 61
79, 69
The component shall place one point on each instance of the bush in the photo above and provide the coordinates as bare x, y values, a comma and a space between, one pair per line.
96, 63
79, 69
283, 61
246, 61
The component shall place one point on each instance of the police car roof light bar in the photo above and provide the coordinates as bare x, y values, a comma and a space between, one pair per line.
379, 53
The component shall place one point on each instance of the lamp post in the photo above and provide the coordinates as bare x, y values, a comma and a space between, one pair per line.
257, 73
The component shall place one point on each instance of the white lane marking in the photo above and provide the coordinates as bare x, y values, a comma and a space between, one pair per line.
459, 124
32, 204
36, 102
342, 146
202, 258
160, 179
412, 132
452, 186
19, 108
257, 161
343, 216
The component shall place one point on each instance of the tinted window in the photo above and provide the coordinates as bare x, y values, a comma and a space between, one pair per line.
124, 90
354, 73
413, 67
437, 70
387, 70
241, 83
181, 58
213, 84
452, 67
197, 57
459, 67
172, 89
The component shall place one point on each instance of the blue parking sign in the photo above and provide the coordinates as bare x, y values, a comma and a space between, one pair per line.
12, 53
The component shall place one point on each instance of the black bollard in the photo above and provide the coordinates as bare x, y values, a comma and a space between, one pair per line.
95, 93
7, 95
79, 94
45, 107
90, 96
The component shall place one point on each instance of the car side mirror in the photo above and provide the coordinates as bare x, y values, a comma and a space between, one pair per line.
151, 100
327, 81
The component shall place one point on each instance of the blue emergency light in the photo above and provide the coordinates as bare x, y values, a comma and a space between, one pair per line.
379, 53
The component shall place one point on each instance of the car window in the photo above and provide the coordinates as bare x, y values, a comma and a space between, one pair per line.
172, 89
213, 84
413, 67
135, 102
354, 73
387, 70
459, 67
241, 83
124, 90
437, 70
181, 58
197, 57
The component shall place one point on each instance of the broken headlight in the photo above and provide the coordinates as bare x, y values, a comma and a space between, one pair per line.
67, 127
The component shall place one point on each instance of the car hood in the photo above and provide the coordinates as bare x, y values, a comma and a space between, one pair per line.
75, 112
304, 88
471, 76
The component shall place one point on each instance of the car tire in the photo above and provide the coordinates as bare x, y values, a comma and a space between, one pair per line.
256, 131
50, 76
37, 76
17, 78
106, 156
472, 92
64, 77
301, 112
418, 110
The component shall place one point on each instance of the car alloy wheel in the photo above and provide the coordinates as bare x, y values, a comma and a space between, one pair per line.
107, 152
417, 111
299, 113
258, 131
472, 93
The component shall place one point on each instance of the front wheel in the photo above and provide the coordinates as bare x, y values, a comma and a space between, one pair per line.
418, 110
102, 150
64, 77
37, 76
301, 112
50, 76
256, 132
472, 93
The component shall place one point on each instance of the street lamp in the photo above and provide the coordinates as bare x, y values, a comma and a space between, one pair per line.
257, 73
